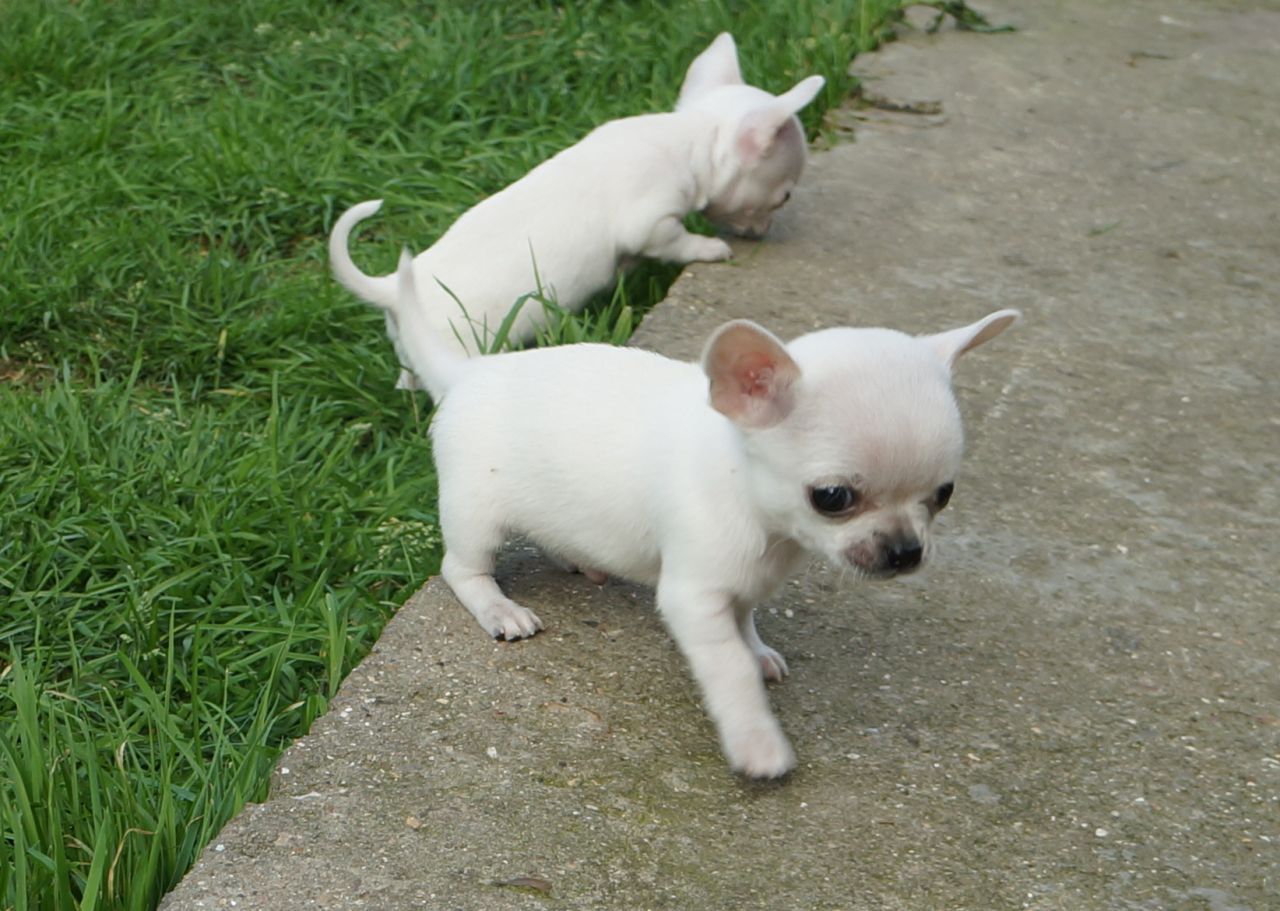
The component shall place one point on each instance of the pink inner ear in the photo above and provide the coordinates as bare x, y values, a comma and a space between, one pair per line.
755, 372
751, 375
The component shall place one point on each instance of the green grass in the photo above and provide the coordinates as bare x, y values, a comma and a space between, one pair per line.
211, 499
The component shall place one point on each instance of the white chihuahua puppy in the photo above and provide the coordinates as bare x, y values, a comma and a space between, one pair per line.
563, 230
709, 483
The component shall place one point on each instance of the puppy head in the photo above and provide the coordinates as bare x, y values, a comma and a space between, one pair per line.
761, 148
852, 436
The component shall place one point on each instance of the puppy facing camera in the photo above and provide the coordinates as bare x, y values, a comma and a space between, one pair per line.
709, 482
564, 229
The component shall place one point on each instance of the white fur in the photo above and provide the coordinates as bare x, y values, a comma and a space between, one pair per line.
746, 204
622, 192
693, 479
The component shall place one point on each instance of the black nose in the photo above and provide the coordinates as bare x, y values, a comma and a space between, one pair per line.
904, 556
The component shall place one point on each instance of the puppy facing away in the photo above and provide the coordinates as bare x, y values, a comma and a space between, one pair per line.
708, 482
622, 192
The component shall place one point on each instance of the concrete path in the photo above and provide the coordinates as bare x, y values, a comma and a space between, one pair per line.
1076, 707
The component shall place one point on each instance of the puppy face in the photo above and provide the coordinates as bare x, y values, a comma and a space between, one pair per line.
853, 436
762, 185
868, 454
762, 147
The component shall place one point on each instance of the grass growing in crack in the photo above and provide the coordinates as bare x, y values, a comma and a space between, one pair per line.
211, 499
966, 18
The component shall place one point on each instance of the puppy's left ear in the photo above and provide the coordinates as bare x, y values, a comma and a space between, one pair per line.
759, 128
955, 342
714, 67
751, 374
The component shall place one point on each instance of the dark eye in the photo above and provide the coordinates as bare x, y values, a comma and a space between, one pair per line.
786, 197
943, 495
833, 500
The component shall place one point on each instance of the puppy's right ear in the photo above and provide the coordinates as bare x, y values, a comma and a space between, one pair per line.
714, 67
751, 374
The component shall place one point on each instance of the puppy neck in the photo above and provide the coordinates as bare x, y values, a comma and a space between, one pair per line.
710, 157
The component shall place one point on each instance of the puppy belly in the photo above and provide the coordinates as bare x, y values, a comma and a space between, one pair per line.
640, 566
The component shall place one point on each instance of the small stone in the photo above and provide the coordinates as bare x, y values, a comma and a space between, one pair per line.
983, 794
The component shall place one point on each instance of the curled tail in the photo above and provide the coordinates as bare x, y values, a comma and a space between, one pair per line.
379, 290
434, 360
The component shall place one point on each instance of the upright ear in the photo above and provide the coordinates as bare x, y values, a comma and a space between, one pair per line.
714, 67
955, 342
760, 127
751, 374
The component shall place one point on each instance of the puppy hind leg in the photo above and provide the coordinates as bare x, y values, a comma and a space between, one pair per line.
772, 665
479, 593
671, 242
468, 569
729, 674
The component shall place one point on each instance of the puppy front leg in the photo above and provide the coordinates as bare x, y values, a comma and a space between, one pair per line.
671, 242
705, 626
472, 536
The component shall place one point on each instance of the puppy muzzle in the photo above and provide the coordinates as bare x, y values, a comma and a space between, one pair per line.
888, 556
749, 232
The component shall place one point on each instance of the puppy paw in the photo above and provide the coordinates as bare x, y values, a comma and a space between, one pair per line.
507, 620
772, 665
710, 250
760, 751
595, 576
